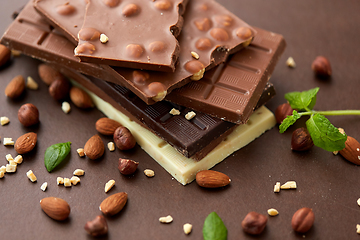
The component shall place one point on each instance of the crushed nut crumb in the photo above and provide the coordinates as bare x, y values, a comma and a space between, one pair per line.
149, 172
4, 120
67, 182
290, 62
111, 146
190, 115
109, 185
272, 212
31, 84
15, 53
8, 142
2, 174
59, 180
44, 186
81, 152
9, 157
18, 159
74, 180
167, 219
10, 168
187, 228
104, 38
79, 172
358, 228
277, 187
65, 106
174, 112
3, 169
195, 55
31, 176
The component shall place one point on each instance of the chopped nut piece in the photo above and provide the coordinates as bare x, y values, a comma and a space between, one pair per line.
358, 228
44, 186
2, 174
190, 115
167, 219
10, 168
111, 146
104, 38
79, 172
80, 151
187, 228
65, 106
15, 53
67, 182
198, 75
12, 162
8, 142
174, 112
289, 185
277, 187
31, 176
109, 185
149, 172
358, 201
74, 180
18, 159
341, 130
273, 212
4, 121
290, 62
31, 84
9, 157
3, 169
59, 180
195, 55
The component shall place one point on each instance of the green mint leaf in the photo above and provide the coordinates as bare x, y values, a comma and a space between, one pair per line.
302, 100
288, 121
55, 154
324, 134
214, 228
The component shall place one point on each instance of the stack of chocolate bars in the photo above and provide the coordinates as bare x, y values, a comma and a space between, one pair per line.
188, 78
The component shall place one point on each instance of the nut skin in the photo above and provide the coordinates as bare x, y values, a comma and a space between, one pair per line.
212, 179
59, 88
282, 111
301, 140
302, 220
55, 208
123, 139
25, 143
106, 126
94, 148
351, 152
28, 115
254, 223
15, 87
321, 67
127, 166
113, 204
97, 227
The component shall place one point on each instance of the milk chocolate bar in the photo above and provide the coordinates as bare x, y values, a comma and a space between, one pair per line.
209, 30
127, 33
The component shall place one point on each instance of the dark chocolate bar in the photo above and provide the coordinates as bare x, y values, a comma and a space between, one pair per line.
128, 33
209, 30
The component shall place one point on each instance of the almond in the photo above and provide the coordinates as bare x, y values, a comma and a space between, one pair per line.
56, 208
15, 87
49, 74
80, 98
25, 143
212, 179
351, 152
94, 147
5, 54
113, 204
106, 126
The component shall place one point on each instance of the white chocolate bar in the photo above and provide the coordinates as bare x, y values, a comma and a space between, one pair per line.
181, 168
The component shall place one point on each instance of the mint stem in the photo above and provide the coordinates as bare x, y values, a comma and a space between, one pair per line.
332, 113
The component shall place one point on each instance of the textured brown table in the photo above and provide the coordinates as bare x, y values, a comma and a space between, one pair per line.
326, 183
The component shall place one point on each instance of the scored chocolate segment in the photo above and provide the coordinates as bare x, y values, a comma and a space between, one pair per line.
231, 92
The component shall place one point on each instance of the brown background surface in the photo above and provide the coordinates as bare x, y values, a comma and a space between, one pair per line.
328, 184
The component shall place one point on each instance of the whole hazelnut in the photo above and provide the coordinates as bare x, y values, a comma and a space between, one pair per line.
28, 115
127, 166
97, 227
254, 223
302, 220
123, 138
59, 88
282, 111
321, 66
301, 140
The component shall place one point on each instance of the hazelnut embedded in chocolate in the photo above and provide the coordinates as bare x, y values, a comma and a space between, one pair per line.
203, 44
134, 50
219, 34
203, 24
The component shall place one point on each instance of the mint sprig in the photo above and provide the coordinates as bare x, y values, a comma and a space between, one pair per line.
55, 154
214, 228
322, 132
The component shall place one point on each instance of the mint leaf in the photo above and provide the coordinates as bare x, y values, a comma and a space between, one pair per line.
324, 134
288, 121
214, 228
55, 154
302, 100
